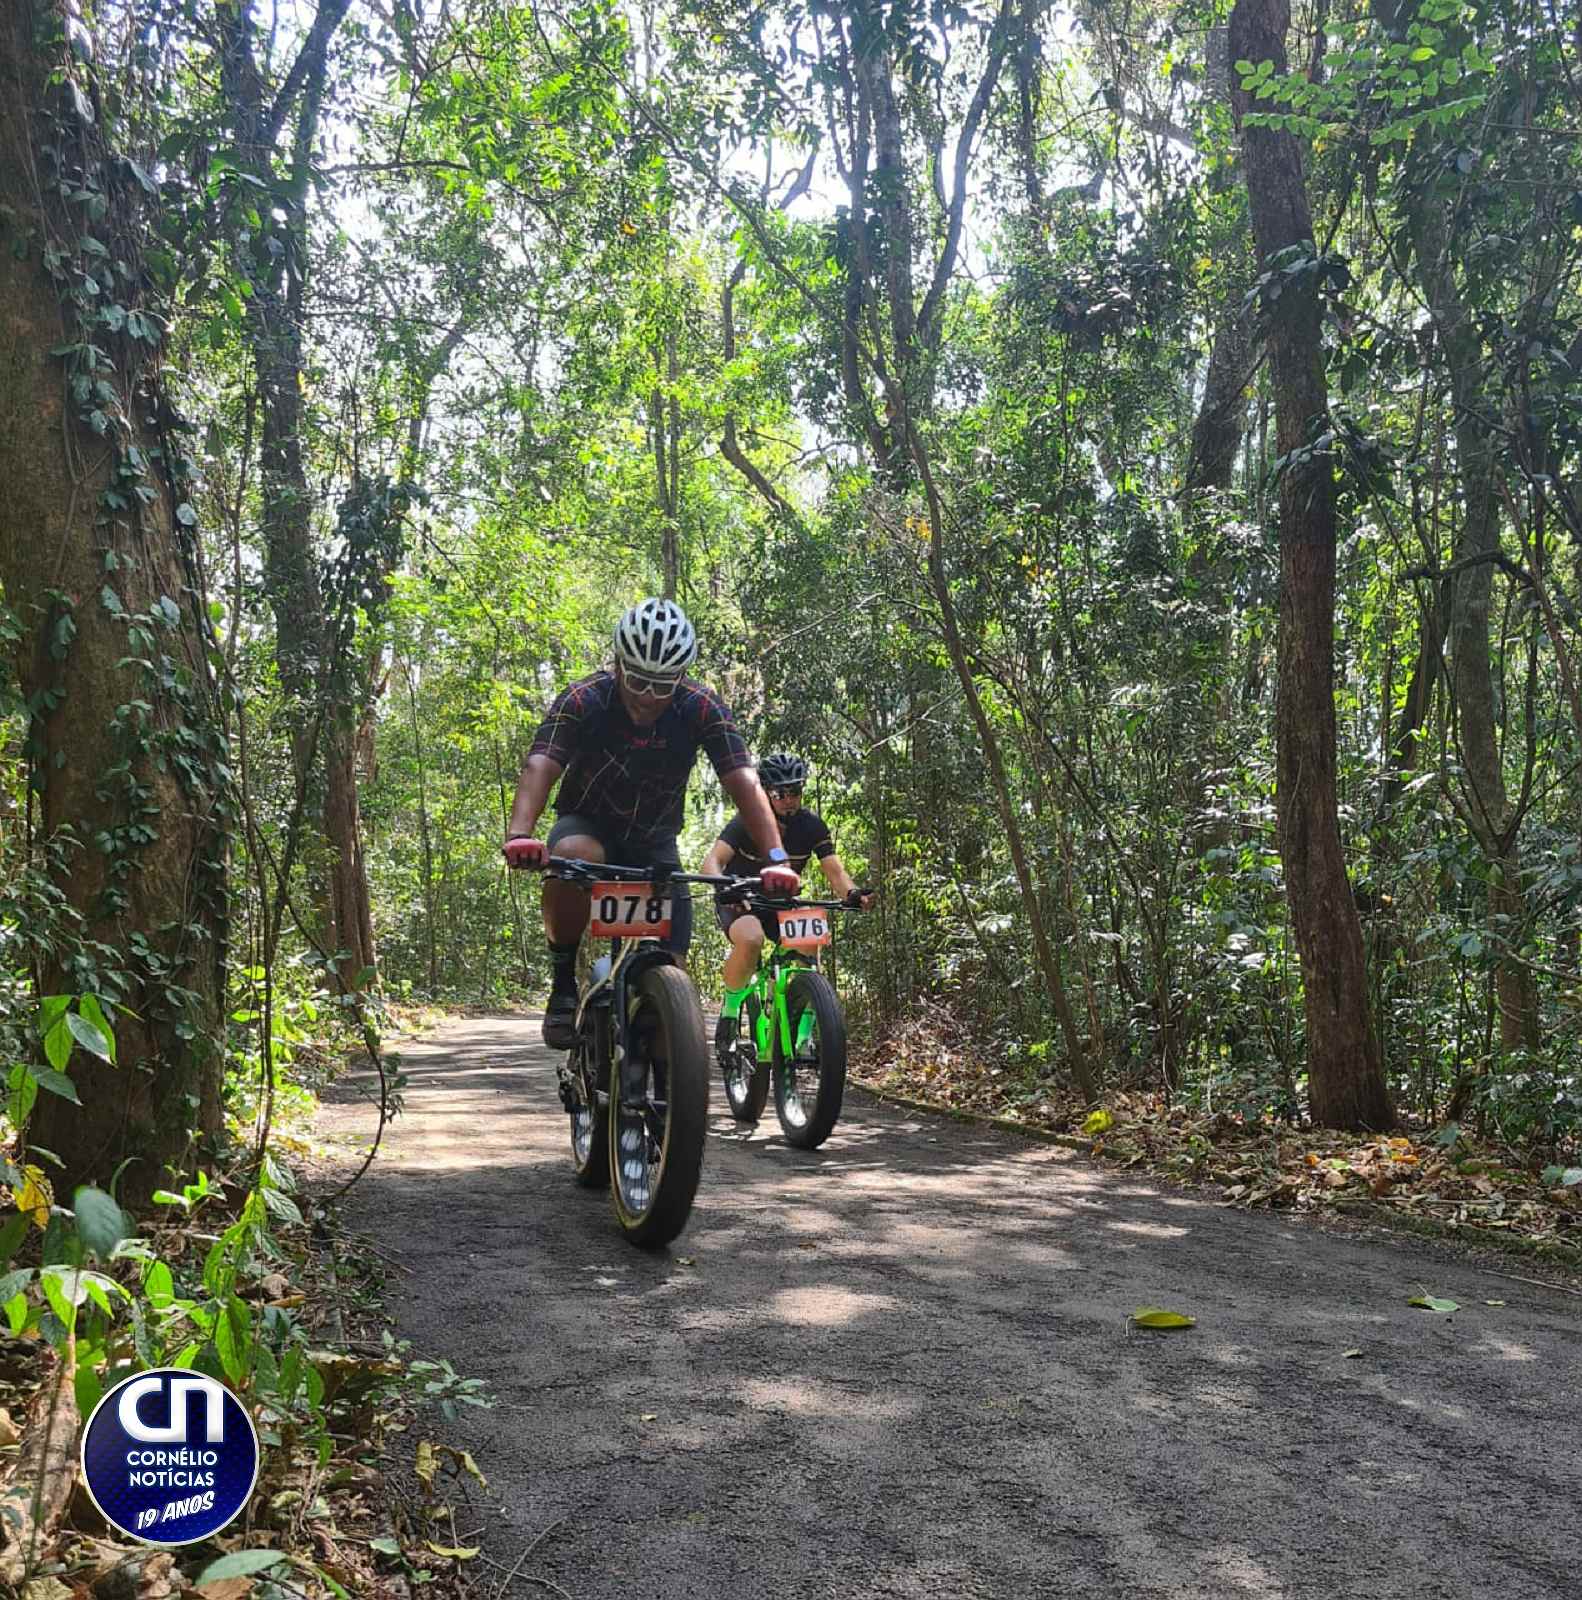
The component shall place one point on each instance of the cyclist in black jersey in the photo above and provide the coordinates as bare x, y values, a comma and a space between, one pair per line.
621, 744
805, 838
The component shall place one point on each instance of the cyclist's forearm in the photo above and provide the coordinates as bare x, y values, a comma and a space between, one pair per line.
744, 788
539, 776
840, 880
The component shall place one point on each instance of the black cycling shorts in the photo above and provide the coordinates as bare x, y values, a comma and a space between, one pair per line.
627, 853
768, 920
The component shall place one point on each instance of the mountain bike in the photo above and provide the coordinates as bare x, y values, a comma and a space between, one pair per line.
636, 1082
793, 1032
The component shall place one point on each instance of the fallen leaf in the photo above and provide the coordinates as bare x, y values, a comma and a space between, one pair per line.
456, 1552
45, 1589
425, 1464
227, 1589
1351, 1355
8, 1433
649, 1416
1432, 1302
1494, 1302
385, 1545
1154, 1317
1097, 1122
686, 1261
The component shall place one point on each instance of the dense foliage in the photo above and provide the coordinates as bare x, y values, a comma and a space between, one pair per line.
924, 354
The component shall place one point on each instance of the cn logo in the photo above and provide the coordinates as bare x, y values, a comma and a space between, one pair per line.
182, 1392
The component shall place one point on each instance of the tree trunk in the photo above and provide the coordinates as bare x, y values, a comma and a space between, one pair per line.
1472, 672
1346, 1083
105, 591
276, 260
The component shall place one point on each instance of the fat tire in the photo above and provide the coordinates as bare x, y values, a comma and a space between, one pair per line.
812, 991
749, 1107
667, 1001
593, 1172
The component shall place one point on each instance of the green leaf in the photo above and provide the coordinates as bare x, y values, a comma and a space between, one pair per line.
64, 1289
93, 1009
158, 1285
385, 1545
233, 1339
11, 1235
23, 1085
1153, 1317
101, 1223
1421, 53
16, 1312
89, 1390
90, 1036
13, 1283
1432, 1302
57, 1046
242, 1564
57, 1083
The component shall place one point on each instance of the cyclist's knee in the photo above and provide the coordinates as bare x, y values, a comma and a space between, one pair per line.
580, 847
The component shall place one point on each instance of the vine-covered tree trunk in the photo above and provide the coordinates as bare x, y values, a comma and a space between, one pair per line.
97, 564
1345, 1076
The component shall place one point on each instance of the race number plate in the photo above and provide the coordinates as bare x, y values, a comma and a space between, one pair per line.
804, 930
629, 911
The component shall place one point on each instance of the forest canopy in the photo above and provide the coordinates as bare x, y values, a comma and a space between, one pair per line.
1130, 451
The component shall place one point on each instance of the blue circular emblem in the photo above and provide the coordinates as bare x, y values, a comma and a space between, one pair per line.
169, 1456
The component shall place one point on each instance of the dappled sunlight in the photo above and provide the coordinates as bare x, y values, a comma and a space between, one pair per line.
826, 1306
813, 1397
1505, 1349
1236, 1571
1150, 1230
899, 1318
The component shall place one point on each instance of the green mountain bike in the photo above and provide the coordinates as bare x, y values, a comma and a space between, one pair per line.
793, 1032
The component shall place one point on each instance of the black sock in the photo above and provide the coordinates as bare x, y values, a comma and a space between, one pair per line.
563, 964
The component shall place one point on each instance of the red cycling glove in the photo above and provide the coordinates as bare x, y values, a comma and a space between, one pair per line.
524, 852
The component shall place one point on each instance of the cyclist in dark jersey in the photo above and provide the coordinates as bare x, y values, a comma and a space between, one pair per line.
805, 837
622, 744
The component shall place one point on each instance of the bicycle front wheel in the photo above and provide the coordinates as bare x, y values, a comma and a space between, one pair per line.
660, 1109
810, 1082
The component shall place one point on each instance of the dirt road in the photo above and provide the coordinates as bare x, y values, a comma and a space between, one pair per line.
899, 1367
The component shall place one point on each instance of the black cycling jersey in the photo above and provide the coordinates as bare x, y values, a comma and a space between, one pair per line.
803, 834
634, 779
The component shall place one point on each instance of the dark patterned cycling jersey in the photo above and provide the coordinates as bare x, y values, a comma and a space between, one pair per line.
803, 834
632, 777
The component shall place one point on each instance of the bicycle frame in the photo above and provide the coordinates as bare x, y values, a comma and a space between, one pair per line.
769, 985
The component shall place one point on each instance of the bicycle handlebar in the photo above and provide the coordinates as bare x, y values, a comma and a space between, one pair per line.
727, 889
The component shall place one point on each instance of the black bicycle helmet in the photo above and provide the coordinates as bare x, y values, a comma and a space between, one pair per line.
782, 771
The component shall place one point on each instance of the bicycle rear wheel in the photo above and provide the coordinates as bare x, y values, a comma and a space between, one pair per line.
588, 1104
810, 1082
746, 1076
659, 1110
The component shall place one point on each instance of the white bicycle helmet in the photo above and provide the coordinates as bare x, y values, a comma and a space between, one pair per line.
655, 636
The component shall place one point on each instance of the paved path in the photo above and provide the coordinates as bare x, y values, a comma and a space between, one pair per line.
898, 1367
